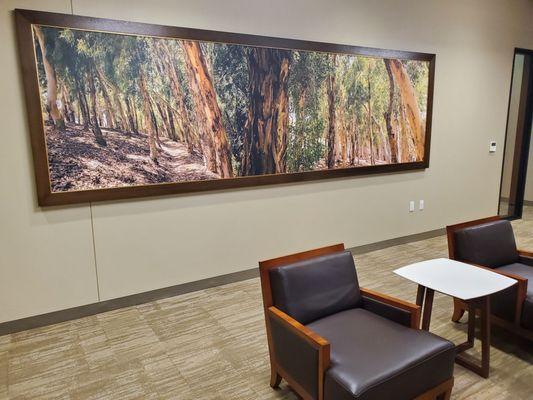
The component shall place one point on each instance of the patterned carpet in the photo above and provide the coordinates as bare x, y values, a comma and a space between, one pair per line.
211, 344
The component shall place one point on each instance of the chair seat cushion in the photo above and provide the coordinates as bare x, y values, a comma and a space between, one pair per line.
525, 271
374, 358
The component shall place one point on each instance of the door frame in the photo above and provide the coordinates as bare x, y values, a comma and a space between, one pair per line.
523, 137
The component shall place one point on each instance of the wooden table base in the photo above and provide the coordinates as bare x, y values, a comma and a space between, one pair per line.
424, 298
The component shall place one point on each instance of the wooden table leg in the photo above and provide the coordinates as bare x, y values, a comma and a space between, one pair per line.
471, 330
428, 306
483, 369
420, 292
485, 337
471, 325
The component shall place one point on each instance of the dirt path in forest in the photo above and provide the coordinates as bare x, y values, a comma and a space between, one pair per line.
185, 165
77, 162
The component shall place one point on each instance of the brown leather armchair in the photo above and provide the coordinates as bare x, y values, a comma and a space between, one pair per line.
490, 243
332, 340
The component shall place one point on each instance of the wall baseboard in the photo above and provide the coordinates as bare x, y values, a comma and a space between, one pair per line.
122, 302
367, 248
526, 202
153, 295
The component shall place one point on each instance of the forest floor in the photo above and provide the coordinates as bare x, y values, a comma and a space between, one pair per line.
77, 162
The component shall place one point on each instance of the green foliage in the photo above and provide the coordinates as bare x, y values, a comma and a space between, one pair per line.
230, 75
307, 122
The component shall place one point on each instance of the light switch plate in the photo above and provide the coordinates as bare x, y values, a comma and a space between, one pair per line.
411, 206
492, 146
421, 205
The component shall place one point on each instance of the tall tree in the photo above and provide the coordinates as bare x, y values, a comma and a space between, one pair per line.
150, 124
95, 125
51, 81
265, 142
307, 121
215, 141
409, 101
231, 81
184, 120
110, 116
332, 148
82, 102
131, 115
393, 142
370, 121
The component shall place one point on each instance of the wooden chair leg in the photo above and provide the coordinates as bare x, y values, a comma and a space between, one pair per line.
458, 310
445, 395
275, 379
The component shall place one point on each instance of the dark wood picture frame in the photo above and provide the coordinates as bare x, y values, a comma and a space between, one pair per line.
25, 19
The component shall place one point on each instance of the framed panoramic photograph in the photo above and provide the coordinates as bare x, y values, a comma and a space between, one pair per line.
119, 109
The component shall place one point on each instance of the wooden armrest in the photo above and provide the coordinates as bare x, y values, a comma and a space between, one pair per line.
521, 289
305, 333
525, 253
315, 341
413, 309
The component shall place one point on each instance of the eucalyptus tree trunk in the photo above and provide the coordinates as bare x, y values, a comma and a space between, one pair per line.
121, 114
331, 115
51, 82
150, 126
184, 121
107, 100
68, 113
215, 146
82, 101
393, 142
354, 136
342, 135
131, 115
116, 121
265, 142
172, 126
370, 122
412, 110
95, 126
406, 135
164, 118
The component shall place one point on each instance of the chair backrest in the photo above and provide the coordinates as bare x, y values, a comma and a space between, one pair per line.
488, 242
310, 286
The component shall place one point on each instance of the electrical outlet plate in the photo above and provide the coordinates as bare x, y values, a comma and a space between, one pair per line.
421, 205
411, 206
492, 146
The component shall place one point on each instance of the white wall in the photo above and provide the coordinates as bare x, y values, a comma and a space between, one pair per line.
46, 256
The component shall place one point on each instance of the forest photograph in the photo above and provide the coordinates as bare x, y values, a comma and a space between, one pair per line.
124, 110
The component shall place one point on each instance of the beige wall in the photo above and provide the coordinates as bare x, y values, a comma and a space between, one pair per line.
47, 260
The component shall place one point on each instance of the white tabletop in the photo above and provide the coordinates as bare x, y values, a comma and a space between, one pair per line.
455, 278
